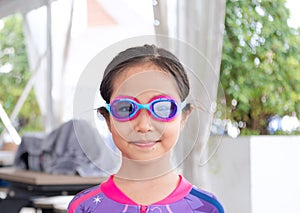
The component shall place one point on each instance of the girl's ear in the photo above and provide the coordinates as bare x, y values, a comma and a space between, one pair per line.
185, 114
103, 111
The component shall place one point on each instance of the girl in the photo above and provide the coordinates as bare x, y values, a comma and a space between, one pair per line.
145, 89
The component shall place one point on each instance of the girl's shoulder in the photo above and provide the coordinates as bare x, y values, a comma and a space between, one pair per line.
83, 196
207, 200
186, 196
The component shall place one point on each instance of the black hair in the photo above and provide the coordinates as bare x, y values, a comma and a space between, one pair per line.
140, 55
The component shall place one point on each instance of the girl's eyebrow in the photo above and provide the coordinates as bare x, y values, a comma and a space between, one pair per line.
153, 96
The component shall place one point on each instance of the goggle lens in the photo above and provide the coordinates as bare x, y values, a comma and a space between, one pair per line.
164, 109
122, 109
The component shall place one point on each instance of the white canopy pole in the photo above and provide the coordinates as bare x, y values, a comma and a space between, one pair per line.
10, 128
49, 122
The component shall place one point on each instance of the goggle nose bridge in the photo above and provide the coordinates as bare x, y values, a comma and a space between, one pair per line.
143, 106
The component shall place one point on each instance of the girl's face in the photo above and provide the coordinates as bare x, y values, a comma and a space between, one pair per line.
144, 138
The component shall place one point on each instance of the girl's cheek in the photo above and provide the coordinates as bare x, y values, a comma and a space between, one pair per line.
120, 128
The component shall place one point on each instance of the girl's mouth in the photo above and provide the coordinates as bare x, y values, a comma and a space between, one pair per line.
145, 144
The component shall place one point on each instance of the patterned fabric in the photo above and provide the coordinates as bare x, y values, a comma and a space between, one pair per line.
108, 198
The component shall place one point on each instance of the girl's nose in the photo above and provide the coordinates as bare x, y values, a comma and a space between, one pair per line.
143, 122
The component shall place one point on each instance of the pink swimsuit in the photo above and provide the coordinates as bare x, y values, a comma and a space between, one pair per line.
108, 198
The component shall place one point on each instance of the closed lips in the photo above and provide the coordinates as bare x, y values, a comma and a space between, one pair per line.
145, 143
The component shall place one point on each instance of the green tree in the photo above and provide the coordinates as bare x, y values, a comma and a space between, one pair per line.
14, 73
260, 70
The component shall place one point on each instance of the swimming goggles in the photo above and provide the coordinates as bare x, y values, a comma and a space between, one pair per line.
161, 108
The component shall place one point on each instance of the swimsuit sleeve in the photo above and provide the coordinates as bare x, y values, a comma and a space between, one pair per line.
209, 202
77, 203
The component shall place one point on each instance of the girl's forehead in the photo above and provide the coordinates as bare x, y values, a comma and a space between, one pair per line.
145, 79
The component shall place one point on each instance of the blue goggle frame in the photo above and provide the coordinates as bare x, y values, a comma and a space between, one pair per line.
163, 108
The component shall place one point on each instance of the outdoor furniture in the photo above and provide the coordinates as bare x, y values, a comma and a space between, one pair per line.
25, 186
57, 204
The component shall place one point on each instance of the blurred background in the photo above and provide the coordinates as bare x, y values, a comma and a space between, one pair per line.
253, 47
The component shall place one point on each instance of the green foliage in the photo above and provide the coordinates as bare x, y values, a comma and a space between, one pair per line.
247, 131
260, 67
15, 73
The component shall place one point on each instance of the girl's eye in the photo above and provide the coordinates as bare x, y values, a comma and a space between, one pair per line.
163, 106
125, 108
164, 109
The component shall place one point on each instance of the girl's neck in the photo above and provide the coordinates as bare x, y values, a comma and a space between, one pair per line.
148, 191
144, 170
